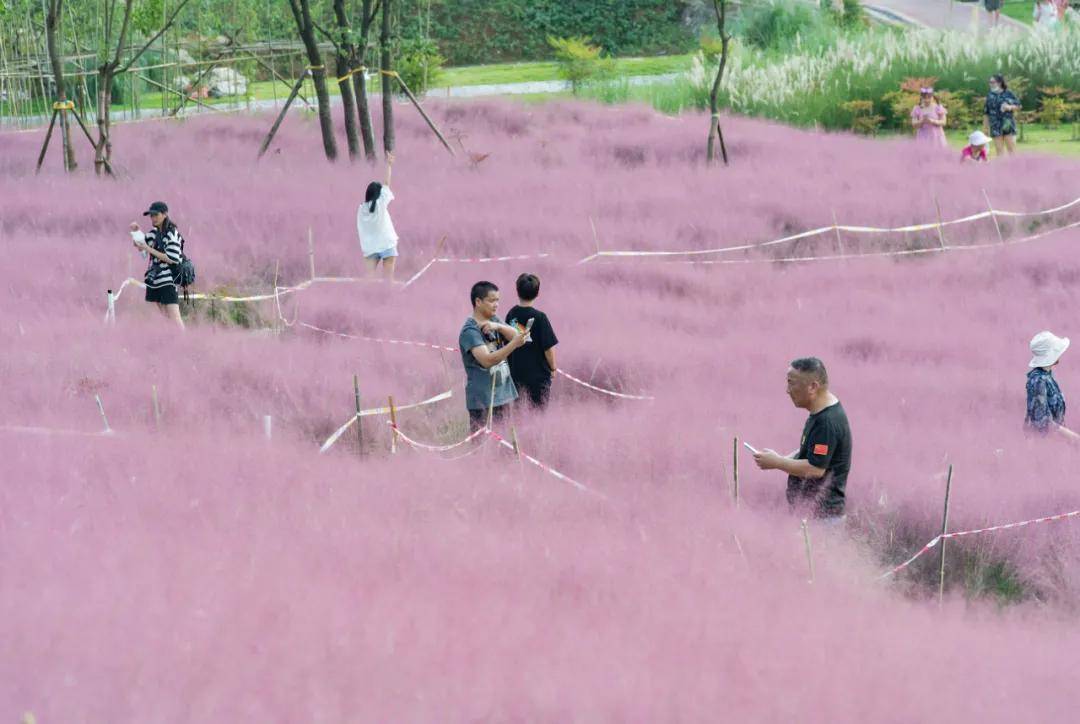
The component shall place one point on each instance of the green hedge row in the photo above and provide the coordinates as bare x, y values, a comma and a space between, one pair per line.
487, 31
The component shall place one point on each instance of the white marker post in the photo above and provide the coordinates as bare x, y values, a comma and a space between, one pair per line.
268, 426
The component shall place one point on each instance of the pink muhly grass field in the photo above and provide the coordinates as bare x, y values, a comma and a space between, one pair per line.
199, 572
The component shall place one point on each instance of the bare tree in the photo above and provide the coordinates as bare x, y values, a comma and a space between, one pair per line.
301, 10
53, 12
715, 132
111, 67
343, 58
387, 79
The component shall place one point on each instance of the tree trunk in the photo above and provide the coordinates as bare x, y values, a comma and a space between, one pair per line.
342, 61
301, 10
368, 12
103, 146
715, 132
387, 81
52, 28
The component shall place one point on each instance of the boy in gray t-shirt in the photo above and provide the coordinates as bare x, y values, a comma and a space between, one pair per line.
485, 342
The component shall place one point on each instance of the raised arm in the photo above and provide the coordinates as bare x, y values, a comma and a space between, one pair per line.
488, 359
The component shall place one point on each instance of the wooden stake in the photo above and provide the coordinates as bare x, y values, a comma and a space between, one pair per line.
393, 428
514, 440
596, 238
359, 419
311, 251
735, 468
281, 116
941, 542
940, 223
809, 551
420, 109
836, 228
491, 405
48, 137
101, 409
157, 407
993, 216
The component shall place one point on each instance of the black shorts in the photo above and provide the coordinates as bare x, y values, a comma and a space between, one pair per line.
163, 295
537, 394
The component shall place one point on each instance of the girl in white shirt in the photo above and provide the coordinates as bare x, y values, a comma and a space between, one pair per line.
1045, 15
378, 238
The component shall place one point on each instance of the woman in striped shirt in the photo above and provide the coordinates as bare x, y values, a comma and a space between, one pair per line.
165, 246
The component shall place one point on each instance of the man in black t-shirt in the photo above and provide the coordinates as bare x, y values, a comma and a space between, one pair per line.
532, 364
818, 470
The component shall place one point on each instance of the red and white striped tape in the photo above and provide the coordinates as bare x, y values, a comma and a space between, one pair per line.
613, 393
336, 435
959, 534
485, 260
545, 467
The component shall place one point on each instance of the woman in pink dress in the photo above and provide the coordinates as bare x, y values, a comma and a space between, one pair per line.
928, 119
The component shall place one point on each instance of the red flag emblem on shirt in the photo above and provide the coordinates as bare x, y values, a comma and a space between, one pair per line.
821, 449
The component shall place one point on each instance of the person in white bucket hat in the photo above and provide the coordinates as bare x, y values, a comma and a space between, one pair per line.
1045, 403
978, 148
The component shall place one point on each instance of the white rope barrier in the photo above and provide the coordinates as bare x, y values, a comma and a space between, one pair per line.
833, 228
434, 448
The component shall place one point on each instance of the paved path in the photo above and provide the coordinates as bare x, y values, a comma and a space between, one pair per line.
941, 14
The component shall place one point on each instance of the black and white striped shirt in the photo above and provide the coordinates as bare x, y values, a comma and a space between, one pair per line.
160, 274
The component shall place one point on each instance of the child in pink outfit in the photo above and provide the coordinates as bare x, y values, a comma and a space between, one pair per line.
928, 118
977, 148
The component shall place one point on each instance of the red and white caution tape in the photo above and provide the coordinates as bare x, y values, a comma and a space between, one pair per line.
622, 395
379, 411
545, 467
959, 534
434, 448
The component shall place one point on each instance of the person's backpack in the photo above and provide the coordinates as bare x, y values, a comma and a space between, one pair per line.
184, 272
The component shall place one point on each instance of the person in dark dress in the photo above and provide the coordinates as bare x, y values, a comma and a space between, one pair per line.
818, 470
1045, 403
1001, 104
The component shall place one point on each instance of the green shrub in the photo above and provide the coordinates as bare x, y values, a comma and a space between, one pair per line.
419, 64
580, 61
775, 24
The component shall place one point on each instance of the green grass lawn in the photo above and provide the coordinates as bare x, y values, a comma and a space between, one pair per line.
1063, 140
450, 77
1019, 10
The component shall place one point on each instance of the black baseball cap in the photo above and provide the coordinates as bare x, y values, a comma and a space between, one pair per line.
158, 207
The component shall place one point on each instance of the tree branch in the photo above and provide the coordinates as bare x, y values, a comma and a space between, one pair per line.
168, 24
328, 36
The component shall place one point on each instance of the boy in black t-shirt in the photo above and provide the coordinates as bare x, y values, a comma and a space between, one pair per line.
532, 364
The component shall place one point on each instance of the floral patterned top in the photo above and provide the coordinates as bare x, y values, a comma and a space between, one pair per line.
1045, 404
1002, 123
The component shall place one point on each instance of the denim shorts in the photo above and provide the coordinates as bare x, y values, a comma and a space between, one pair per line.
380, 255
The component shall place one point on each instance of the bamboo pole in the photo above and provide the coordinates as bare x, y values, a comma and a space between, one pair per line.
393, 426
178, 93
311, 251
156, 406
940, 223
993, 216
491, 405
836, 228
101, 409
809, 550
735, 468
941, 542
359, 419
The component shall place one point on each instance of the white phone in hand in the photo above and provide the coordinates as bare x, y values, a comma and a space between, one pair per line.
750, 447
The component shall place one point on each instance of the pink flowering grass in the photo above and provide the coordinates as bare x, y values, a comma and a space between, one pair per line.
200, 572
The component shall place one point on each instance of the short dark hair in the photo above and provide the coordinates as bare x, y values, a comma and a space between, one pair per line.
480, 290
814, 367
528, 287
